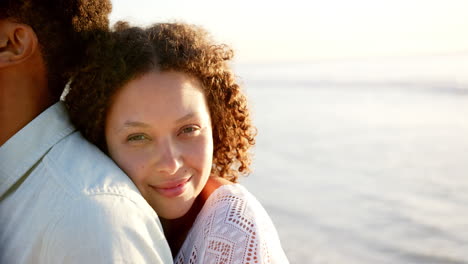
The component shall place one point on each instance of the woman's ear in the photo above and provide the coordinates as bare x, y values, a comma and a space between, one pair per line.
17, 43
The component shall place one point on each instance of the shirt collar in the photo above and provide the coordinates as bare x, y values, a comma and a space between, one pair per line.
22, 151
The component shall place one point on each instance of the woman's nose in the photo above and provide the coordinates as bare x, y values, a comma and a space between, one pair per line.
168, 158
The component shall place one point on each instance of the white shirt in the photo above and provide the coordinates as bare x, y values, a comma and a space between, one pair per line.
63, 201
232, 228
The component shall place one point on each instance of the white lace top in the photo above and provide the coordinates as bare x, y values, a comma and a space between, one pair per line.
232, 227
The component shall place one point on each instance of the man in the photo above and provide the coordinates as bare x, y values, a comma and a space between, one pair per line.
61, 199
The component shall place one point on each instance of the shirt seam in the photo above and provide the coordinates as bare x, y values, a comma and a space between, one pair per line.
77, 194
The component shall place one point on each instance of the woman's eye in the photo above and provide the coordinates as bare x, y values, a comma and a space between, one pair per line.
189, 130
137, 137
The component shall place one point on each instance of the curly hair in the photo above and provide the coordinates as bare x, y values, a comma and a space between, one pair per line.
63, 28
129, 52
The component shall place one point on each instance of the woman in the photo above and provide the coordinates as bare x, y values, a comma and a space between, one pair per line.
163, 103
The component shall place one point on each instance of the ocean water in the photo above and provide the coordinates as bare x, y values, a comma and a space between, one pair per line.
363, 161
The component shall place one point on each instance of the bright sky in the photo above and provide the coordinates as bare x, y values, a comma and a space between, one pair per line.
272, 30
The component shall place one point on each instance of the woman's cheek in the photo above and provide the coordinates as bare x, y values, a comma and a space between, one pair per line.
132, 163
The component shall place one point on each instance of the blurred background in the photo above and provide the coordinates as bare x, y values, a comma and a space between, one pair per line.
362, 113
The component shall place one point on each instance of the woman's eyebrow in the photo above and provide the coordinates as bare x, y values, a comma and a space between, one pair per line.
130, 123
185, 118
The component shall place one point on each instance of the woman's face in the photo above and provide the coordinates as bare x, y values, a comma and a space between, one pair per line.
158, 130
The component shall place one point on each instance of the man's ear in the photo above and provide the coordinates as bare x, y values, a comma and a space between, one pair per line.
17, 43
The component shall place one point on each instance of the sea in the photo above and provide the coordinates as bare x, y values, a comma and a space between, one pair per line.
362, 161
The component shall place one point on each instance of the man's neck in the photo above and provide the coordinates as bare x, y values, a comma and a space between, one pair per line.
20, 102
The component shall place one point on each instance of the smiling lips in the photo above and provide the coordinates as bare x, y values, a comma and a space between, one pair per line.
172, 189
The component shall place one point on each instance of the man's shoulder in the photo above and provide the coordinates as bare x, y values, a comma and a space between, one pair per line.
106, 229
82, 169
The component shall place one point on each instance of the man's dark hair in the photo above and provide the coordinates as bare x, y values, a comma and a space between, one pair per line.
63, 28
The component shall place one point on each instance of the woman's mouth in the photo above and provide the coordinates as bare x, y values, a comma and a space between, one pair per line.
173, 188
